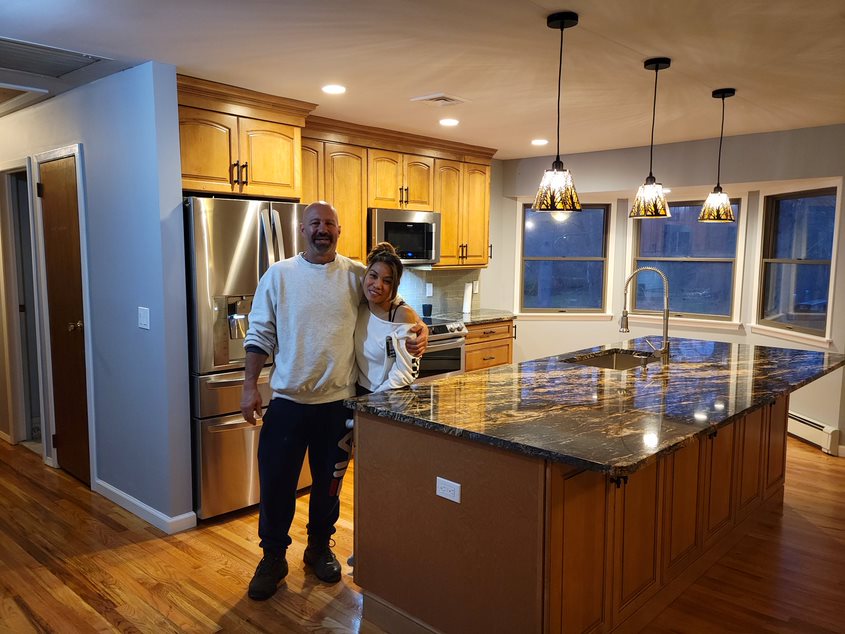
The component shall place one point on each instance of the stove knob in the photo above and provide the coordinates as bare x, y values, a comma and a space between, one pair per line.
451, 328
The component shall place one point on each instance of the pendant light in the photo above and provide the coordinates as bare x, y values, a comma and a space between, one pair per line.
557, 191
717, 207
651, 201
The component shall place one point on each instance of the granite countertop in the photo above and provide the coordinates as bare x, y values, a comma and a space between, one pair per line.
605, 420
478, 316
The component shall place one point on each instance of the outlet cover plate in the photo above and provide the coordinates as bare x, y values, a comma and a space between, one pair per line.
448, 489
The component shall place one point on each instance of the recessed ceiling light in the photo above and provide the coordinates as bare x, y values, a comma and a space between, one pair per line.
334, 89
540, 142
449, 123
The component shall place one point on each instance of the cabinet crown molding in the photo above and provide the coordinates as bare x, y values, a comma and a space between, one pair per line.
326, 129
212, 95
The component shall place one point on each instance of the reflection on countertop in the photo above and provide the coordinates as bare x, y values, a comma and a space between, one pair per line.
601, 419
478, 316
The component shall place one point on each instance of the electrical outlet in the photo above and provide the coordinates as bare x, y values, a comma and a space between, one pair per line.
475, 287
429, 289
448, 489
143, 317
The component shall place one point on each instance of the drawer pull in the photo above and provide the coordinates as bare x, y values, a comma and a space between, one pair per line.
488, 358
489, 332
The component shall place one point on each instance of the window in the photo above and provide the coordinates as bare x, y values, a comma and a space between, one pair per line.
564, 259
698, 258
797, 248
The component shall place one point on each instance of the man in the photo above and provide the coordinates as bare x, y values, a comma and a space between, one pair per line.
304, 312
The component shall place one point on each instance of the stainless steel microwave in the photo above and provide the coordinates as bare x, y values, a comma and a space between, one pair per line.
414, 234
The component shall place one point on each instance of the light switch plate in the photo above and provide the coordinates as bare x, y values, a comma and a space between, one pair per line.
143, 317
429, 289
475, 287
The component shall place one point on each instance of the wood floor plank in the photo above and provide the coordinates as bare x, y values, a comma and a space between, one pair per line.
72, 561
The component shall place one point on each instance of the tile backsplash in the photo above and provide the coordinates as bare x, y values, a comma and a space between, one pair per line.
447, 289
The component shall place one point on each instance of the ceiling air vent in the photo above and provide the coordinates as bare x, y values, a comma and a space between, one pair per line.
440, 99
41, 60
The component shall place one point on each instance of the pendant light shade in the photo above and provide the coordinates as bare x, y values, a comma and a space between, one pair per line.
717, 207
650, 201
557, 189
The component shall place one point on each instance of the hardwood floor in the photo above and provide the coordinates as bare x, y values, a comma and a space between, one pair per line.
71, 561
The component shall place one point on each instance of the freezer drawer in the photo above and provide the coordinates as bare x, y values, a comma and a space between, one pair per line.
216, 394
226, 465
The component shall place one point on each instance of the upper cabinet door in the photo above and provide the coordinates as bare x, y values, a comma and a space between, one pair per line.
346, 167
418, 179
270, 155
448, 200
208, 144
476, 217
384, 179
313, 181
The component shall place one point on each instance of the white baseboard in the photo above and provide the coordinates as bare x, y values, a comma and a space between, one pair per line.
147, 513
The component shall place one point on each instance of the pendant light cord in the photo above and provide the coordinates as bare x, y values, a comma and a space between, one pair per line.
721, 135
559, 83
653, 115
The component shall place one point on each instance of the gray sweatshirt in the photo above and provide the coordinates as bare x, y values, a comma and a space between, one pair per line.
304, 315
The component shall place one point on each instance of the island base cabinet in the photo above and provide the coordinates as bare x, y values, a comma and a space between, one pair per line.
777, 416
577, 559
683, 484
469, 566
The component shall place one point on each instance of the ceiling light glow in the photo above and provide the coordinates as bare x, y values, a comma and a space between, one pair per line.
449, 123
334, 89
539, 142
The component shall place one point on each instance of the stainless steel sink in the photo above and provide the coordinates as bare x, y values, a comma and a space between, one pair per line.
614, 359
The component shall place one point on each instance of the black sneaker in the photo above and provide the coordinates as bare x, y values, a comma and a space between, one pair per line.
270, 571
320, 557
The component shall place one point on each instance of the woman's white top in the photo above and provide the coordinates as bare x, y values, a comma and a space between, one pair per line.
383, 361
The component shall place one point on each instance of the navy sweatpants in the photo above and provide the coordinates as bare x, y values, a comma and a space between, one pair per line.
289, 429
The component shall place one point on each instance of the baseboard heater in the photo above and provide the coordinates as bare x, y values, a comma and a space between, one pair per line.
824, 436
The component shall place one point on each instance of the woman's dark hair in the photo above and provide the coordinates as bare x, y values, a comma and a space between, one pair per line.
385, 253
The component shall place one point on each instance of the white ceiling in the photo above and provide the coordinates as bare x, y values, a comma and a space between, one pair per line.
786, 59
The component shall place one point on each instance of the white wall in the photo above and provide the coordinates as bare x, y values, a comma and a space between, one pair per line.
128, 126
753, 166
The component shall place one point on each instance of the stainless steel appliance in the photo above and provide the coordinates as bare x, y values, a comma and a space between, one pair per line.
414, 234
229, 244
445, 353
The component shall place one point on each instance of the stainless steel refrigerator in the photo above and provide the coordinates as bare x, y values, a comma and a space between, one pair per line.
229, 245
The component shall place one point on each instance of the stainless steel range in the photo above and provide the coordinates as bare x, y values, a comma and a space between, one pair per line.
445, 353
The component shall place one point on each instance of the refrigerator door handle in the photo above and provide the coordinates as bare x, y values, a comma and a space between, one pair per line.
277, 232
267, 236
219, 384
234, 425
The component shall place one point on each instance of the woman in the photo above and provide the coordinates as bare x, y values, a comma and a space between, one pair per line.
383, 326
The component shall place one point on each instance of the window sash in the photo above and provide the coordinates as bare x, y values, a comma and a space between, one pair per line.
603, 259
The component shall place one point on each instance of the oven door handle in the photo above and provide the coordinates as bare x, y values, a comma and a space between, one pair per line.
445, 344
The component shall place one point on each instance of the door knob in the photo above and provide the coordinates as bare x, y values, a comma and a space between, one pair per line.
79, 325
71, 326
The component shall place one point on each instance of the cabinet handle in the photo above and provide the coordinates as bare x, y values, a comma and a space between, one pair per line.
236, 172
514, 331
407, 198
401, 197
490, 251
246, 173
488, 358
489, 332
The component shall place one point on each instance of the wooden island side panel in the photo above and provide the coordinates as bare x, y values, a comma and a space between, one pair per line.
476, 566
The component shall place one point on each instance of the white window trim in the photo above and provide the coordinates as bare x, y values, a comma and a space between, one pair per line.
689, 322
571, 316
788, 188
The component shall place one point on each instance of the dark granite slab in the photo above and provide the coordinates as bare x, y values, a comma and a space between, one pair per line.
605, 420
479, 316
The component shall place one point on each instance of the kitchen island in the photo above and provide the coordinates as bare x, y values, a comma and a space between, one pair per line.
588, 498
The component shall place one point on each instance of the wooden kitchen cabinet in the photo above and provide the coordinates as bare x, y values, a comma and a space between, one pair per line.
462, 196
717, 516
399, 181
488, 345
226, 153
336, 173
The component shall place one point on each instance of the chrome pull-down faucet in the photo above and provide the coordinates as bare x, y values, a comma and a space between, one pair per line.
623, 321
